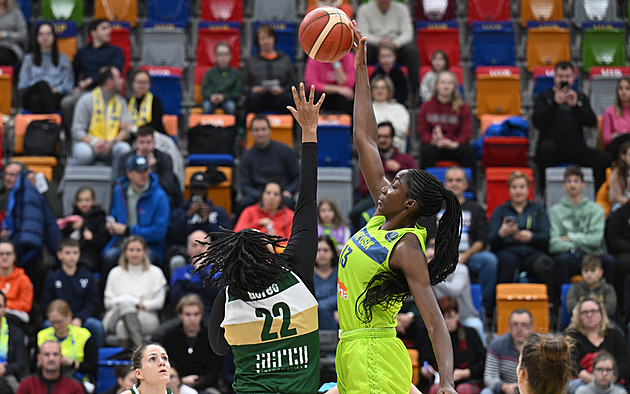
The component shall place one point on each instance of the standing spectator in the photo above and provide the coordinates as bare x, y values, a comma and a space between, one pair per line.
325, 279
387, 22
271, 215
616, 118
335, 79
45, 75
13, 33
592, 286
267, 160
144, 107
619, 189
439, 63
13, 356
100, 126
48, 379
604, 376
331, 224
387, 66
221, 86
268, 75
15, 285
385, 110
502, 358
561, 114
445, 125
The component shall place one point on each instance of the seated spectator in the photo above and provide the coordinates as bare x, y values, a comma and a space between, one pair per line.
86, 225
79, 353
183, 282
49, 379
618, 242
325, 279
197, 213
335, 79
188, 346
592, 332
144, 107
176, 386
125, 379
387, 66
14, 33
592, 286
221, 86
160, 163
134, 294
13, 356
346, 8
616, 118
445, 125
619, 190
468, 352
16, 286
331, 224
604, 376
519, 236
439, 63
268, 75
265, 161
77, 287
139, 207
502, 358
100, 126
46, 74
271, 215
387, 110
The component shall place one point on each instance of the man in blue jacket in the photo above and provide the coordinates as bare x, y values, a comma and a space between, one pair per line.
139, 207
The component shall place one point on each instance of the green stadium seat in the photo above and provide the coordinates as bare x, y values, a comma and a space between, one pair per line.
61, 10
603, 44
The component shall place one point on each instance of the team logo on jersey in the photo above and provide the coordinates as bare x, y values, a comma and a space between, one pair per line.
342, 290
391, 236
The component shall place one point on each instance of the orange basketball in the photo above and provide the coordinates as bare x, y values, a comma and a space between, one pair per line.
325, 34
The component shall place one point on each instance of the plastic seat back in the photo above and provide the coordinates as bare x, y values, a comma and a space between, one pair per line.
220, 194
434, 10
164, 44
603, 44
275, 11
541, 10
496, 186
547, 44
6, 87
603, 82
441, 35
210, 34
530, 296
488, 10
121, 38
200, 72
286, 34
166, 84
498, 90
493, 44
117, 10
593, 10
222, 10
174, 11
281, 129
63, 10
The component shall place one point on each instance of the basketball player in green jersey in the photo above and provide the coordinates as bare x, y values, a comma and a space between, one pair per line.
385, 262
267, 314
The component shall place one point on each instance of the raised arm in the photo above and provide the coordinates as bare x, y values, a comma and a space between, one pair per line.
364, 130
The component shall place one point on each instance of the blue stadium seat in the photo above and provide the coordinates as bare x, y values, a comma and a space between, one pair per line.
493, 44
177, 11
477, 297
25, 7
543, 80
440, 173
564, 313
286, 33
166, 84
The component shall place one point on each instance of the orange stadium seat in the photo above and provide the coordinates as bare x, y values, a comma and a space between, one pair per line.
281, 129
490, 119
496, 186
432, 36
66, 37
488, 10
222, 10
116, 10
547, 44
220, 194
200, 72
541, 10
6, 87
170, 125
211, 33
217, 120
530, 296
43, 164
498, 90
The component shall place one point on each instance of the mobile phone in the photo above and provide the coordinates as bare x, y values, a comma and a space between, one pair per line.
563, 84
511, 219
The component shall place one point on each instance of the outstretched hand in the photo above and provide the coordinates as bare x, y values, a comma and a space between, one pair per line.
360, 47
306, 111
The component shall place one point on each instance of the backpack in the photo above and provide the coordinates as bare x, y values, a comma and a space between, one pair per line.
41, 138
211, 139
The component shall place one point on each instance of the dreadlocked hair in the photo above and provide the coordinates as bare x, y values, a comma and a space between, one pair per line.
242, 260
388, 288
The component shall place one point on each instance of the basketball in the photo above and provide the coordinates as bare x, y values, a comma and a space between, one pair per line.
325, 34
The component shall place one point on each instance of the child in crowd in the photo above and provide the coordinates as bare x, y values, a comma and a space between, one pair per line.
387, 66
593, 286
331, 223
605, 376
439, 62
221, 87
77, 287
619, 191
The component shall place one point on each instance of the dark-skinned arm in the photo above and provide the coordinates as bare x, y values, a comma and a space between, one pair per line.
409, 258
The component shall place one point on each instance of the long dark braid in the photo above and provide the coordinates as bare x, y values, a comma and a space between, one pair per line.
387, 288
242, 260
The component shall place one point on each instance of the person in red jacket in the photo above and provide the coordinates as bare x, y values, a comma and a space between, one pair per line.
48, 380
445, 125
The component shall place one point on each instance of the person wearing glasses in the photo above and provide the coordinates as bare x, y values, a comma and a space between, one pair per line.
605, 375
592, 332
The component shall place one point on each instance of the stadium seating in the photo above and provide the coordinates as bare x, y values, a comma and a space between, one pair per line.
211, 33
25, 7
457, 70
170, 125
164, 44
440, 173
216, 120
489, 119
432, 36
334, 135
603, 44
6, 87
286, 34
541, 10
504, 152
603, 83
200, 72
63, 10
43, 164
222, 10
98, 177
498, 90
496, 186
547, 44
554, 185
172, 11
493, 44
530, 296
336, 183
120, 37
166, 84
565, 314
66, 37
488, 10
593, 10
221, 194
281, 129
434, 10
543, 80
116, 10
275, 11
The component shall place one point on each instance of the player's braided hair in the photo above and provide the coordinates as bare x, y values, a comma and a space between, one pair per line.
388, 288
242, 260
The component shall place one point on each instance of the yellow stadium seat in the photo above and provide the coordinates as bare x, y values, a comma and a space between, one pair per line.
281, 129
220, 194
498, 90
529, 296
547, 44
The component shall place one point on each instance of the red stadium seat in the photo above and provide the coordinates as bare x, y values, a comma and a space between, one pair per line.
222, 10
496, 186
434, 36
434, 10
211, 33
488, 10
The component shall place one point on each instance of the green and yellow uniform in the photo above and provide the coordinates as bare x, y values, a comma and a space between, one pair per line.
72, 346
370, 359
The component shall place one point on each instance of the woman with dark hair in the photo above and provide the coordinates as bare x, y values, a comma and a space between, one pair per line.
270, 216
46, 74
151, 368
385, 262
144, 107
326, 283
263, 287
544, 364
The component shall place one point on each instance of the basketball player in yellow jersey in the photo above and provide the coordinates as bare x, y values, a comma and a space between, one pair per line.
385, 262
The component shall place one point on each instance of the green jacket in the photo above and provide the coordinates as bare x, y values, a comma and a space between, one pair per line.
604, 292
227, 82
584, 224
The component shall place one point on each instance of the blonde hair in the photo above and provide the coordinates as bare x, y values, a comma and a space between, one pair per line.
576, 322
122, 261
59, 306
456, 98
388, 81
516, 175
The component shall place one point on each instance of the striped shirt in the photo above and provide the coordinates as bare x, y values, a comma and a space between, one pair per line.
501, 363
